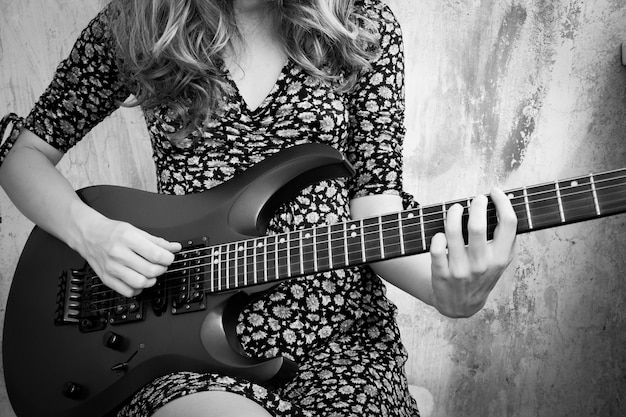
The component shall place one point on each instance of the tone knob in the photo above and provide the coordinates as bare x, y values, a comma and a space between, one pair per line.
113, 341
72, 390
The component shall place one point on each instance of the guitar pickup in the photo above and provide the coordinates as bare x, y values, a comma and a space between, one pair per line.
186, 278
126, 310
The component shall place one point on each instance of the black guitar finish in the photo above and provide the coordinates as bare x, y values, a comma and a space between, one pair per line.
59, 362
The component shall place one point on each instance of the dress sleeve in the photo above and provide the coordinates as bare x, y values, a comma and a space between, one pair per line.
377, 112
86, 88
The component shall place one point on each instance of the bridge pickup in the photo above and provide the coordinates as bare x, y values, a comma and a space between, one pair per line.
126, 310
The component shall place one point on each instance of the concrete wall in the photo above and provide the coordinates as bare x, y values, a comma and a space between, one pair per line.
499, 92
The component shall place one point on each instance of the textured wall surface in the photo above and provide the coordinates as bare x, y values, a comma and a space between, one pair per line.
499, 92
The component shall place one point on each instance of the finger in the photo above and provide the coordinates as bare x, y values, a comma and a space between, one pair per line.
165, 244
120, 287
477, 228
439, 255
142, 266
506, 230
454, 235
130, 277
154, 249
123, 256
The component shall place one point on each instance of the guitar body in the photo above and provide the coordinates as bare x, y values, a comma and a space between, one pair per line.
73, 369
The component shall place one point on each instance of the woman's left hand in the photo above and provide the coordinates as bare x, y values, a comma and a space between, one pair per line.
464, 275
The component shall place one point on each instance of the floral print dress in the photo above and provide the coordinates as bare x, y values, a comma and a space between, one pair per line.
338, 326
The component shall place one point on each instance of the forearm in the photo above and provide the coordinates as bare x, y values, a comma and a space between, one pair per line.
41, 193
125, 258
457, 277
411, 274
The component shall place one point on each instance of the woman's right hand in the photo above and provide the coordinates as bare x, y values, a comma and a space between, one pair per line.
124, 257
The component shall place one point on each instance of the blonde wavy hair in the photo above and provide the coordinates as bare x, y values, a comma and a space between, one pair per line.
171, 50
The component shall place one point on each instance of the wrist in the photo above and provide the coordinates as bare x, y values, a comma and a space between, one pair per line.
456, 308
83, 219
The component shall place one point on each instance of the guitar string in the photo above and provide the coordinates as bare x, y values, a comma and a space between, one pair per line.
287, 258
281, 249
241, 247
439, 213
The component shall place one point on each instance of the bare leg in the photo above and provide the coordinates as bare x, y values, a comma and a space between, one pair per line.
212, 404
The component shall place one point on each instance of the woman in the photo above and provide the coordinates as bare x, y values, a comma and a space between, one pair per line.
224, 84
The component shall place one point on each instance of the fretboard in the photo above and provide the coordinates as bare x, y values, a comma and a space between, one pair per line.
274, 258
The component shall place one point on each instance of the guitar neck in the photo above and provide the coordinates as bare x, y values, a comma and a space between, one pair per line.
288, 255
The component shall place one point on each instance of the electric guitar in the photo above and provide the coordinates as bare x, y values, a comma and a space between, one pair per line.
81, 349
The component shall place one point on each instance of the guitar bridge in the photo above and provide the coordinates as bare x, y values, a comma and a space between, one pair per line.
83, 300
68, 298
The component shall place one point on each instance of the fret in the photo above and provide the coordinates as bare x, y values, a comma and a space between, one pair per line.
264, 245
595, 195
250, 262
282, 257
223, 282
308, 259
543, 206
271, 258
424, 243
322, 246
352, 234
255, 271
577, 199
558, 198
412, 232
214, 260
527, 206
239, 276
260, 272
336, 246
301, 254
401, 234
295, 258
314, 250
391, 235
345, 245
373, 248
433, 222
611, 191
288, 253
231, 267
242, 253
362, 236
519, 204
380, 237
330, 248
221, 266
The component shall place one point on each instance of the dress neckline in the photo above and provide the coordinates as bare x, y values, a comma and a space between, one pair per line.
277, 88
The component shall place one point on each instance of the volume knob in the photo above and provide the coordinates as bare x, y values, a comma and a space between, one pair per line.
72, 390
113, 341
